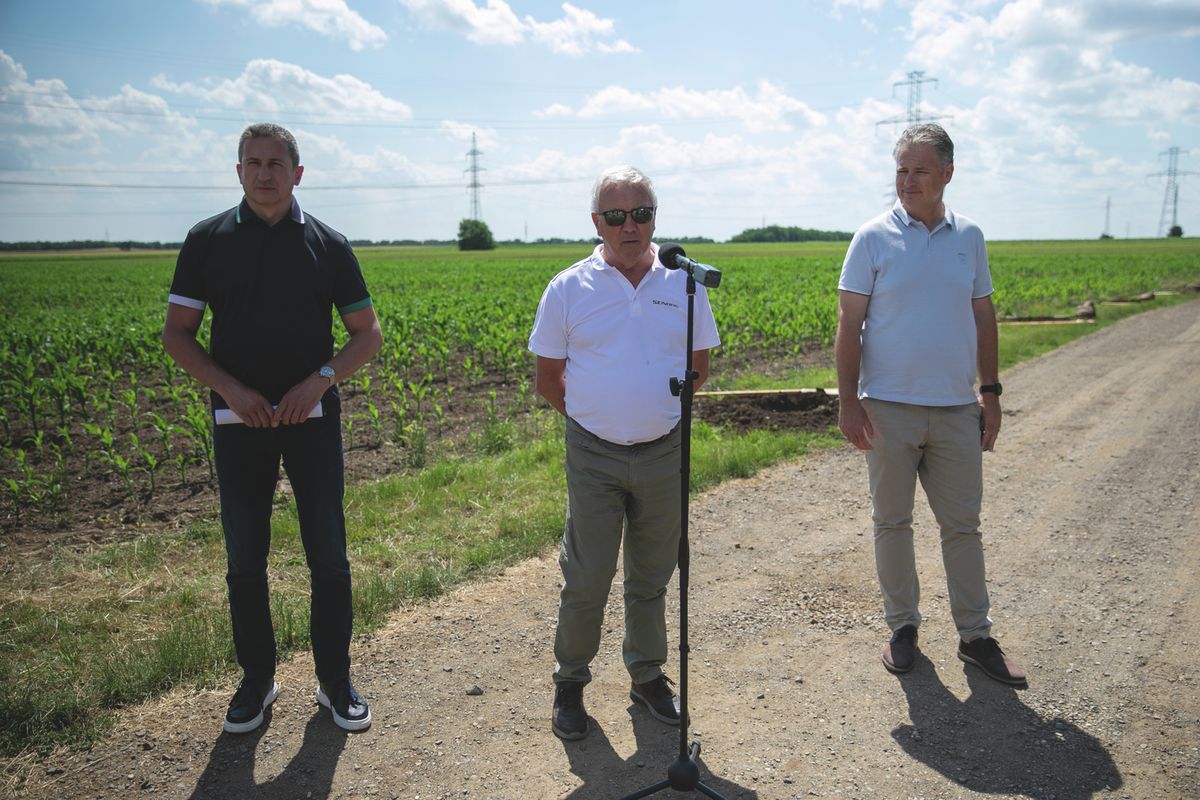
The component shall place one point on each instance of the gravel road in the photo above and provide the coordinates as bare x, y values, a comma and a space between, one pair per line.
1092, 533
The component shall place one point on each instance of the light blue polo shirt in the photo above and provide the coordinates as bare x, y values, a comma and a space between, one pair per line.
918, 338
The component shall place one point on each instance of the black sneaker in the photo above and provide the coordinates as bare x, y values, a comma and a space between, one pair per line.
246, 708
986, 654
898, 654
350, 712
570, 719
658, 696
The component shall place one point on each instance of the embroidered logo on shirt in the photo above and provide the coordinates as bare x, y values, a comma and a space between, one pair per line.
663, 303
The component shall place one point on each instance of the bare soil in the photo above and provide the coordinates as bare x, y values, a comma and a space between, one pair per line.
98, 507
1091, 530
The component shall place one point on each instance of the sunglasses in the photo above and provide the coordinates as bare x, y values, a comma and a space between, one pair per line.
616, 216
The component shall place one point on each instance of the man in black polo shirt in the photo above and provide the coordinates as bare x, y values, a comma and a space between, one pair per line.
272, 276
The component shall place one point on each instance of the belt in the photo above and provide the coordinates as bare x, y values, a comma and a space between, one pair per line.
607, 443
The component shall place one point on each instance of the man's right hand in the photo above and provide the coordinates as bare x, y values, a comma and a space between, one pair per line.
253, 408
855, 424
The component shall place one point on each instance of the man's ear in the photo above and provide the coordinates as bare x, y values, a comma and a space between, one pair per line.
296, 179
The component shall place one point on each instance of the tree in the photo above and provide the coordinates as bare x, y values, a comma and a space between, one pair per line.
1176, 230
474, 234
780, 233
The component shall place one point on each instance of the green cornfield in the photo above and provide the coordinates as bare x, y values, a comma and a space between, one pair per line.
85, 387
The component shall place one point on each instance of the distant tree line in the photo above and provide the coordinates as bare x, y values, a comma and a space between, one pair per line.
477, 236
788, 233
401, 242
87, 244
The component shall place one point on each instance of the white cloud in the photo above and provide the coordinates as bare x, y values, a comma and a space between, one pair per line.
573, 34
766, 109
856, 5
1056, 60
487, 138
577, 32
332, 18
1121, 21
45, 119
268, 87
494, 23
332, 162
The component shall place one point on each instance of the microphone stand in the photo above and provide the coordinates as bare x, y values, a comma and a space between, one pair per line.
684, 773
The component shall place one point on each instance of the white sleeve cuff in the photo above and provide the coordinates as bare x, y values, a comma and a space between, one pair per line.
187, 302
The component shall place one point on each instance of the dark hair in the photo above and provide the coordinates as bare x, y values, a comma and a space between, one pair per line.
269, 130
928, 133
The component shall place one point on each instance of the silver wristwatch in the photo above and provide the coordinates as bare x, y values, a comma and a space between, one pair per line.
327, 373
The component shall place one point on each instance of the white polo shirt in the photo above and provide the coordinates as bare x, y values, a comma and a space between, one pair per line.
622, 345
918, 338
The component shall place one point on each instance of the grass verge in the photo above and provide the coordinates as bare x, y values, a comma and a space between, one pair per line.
83, 633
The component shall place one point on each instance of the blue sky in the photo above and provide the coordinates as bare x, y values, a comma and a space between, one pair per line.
119, 120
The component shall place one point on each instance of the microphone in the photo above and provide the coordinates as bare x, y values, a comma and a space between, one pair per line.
671, 256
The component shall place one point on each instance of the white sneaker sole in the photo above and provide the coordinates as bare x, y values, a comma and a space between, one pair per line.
246, 727
343, 723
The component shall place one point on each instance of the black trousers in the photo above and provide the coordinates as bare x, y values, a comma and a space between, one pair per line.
247, 461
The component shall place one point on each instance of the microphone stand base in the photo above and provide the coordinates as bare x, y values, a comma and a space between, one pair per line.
683, 776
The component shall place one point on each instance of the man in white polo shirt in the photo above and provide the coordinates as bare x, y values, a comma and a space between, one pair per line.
916, 323
610, 333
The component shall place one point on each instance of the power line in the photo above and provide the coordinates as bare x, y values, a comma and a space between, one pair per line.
562, 179
1171, 193
240, 116
474, 185
913, 115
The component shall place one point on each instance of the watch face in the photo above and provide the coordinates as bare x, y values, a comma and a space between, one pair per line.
326, 372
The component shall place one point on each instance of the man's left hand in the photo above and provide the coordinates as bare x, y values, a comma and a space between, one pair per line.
299, 401
990, 404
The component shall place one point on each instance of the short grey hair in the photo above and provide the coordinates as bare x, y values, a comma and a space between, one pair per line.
929, 133
269, 130
624, 175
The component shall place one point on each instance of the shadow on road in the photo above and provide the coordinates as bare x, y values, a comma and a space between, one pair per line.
607, 775
994, 743
229, 773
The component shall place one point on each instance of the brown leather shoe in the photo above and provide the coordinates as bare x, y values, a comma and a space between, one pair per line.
898, 654
986, 654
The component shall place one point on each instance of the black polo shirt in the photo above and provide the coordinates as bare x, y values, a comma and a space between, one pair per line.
272, 291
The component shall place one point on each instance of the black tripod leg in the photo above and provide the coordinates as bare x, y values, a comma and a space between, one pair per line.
649, 790
704, 790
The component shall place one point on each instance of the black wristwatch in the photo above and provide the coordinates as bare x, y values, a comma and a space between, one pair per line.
994, 388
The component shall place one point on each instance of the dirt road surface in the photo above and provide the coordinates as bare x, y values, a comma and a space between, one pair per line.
1093, 545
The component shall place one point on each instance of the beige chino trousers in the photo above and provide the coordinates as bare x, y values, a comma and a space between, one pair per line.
940, 446
616, 492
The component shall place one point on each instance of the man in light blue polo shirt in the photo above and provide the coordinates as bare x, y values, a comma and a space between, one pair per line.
916, 324
610, 333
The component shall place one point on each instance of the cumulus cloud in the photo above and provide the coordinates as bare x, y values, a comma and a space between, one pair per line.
267, 87
577, 32
767, 108
42, 118
1059, 57
332, 18
486, 138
